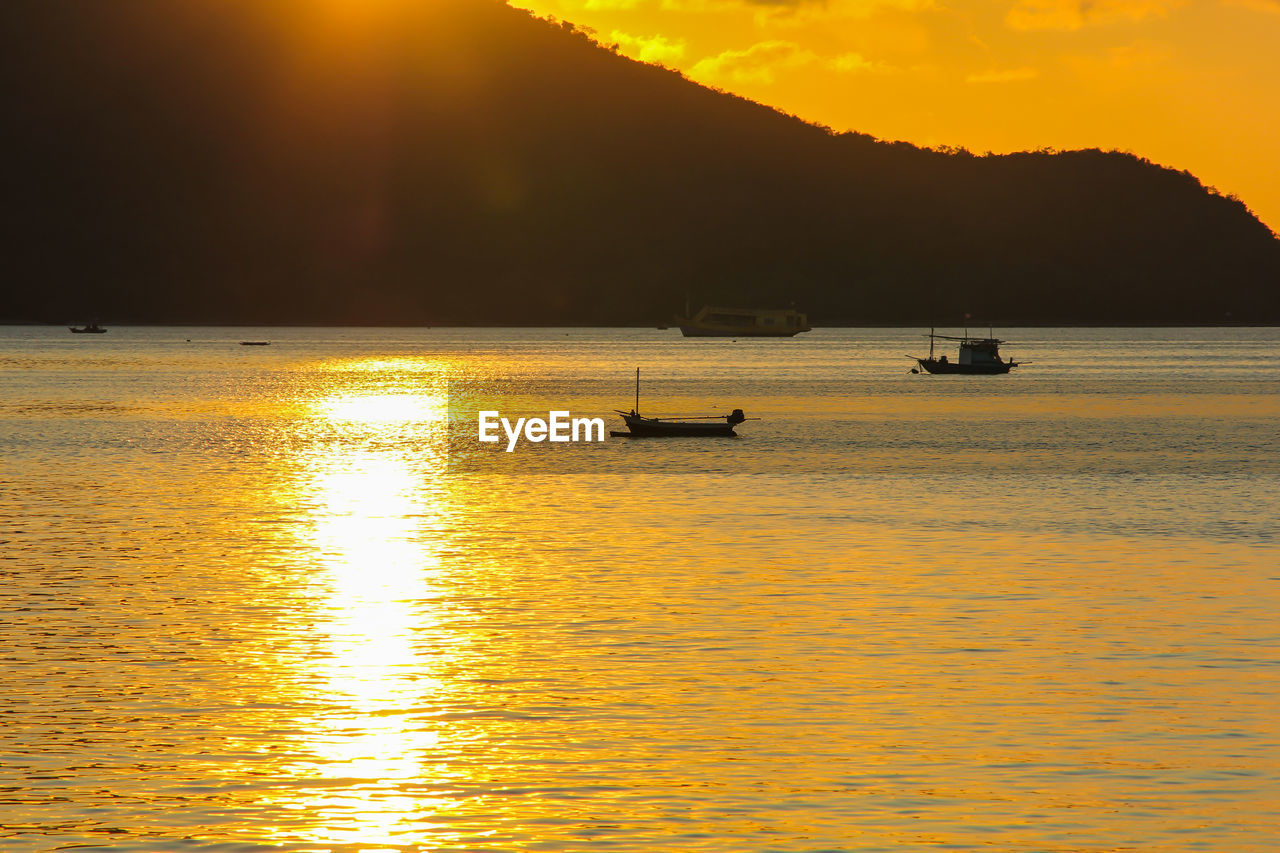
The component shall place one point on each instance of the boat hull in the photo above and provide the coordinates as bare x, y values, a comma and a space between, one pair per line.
706, 332
76, 331
932, 365
654, 428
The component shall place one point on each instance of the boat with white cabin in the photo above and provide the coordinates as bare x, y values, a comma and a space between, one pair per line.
717, 322
976, 356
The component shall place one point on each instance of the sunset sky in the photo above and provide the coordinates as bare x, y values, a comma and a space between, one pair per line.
1191, 84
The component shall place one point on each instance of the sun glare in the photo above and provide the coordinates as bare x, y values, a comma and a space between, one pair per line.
384, 408
372, 506
371, 516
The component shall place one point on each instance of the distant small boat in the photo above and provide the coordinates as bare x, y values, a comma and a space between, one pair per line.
88, 329
255, 343
709, 426
714, 322
977, 356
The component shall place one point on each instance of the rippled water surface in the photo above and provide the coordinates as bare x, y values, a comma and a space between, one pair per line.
255, 598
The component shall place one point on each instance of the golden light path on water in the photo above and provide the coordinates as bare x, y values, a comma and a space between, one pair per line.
371, 512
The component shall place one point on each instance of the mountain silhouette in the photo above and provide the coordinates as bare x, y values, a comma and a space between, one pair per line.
461, 161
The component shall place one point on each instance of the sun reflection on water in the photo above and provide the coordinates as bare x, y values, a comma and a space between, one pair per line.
374, 516
383, 408
378, 569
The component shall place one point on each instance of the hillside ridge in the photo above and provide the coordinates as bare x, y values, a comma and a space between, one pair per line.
270, 161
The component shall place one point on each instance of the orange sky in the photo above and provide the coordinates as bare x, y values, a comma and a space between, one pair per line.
1192, 84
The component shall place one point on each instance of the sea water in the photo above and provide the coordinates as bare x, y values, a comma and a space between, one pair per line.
275, 598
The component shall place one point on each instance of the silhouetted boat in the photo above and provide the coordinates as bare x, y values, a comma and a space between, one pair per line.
979, 356
255, 343
714, 322
88, 329
709, 426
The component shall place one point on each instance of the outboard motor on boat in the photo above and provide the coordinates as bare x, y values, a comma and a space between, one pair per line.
736, 417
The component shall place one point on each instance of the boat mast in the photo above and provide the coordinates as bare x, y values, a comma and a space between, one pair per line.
931, 343
637, 409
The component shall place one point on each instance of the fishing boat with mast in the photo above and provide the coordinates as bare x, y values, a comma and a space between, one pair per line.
640, 426
976, 356
88, 329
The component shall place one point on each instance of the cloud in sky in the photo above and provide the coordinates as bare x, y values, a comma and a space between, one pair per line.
851, 62
650, 49
1077, 14
757, 64
783, 10
721, 5
762, 62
